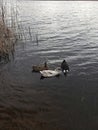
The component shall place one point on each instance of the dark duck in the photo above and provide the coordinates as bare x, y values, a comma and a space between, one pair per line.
64, 67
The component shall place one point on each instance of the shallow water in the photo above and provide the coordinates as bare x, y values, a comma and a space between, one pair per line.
66, 30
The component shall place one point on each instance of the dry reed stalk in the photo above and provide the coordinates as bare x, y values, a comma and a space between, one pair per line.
6, 41
11, 31
7, 37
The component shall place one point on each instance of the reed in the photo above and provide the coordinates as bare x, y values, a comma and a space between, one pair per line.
12, 29
7, 35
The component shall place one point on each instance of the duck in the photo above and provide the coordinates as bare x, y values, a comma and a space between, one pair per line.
38, 68
51, 73
64, 67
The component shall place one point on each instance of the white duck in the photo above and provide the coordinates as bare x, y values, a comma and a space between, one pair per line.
51, 73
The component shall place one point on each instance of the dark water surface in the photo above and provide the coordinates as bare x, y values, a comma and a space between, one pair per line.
66, 30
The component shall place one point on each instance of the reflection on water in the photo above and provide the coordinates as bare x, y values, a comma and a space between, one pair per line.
66, 30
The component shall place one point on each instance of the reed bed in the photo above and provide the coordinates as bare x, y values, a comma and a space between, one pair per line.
6, 42
7, 36
11, 30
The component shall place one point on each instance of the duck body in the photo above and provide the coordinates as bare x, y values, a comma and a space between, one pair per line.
64, 67
50, 73
38, 68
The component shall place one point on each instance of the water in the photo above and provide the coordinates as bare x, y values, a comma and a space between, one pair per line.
66, 30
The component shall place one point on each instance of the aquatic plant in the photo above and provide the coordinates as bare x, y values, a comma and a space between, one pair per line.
12, 29
7, 35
